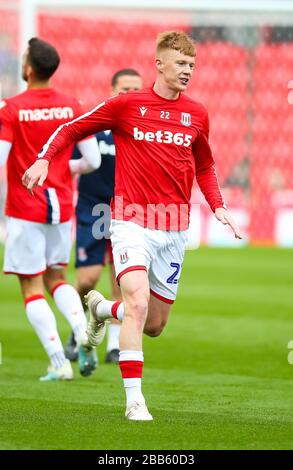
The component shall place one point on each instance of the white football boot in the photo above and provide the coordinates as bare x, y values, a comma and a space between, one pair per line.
138, 412
96, 328
63, 373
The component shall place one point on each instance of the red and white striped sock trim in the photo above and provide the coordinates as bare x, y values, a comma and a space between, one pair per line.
32, 298
114, 308
131, 364
131, 369
61, 283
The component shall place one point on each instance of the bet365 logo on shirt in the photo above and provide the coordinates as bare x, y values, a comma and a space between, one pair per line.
164, 137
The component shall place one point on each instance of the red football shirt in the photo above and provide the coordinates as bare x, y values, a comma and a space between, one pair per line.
27, 121
160, 146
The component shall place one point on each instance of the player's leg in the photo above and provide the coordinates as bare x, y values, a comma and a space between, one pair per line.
130, 253
133, 310
157, 317
135, 294
89, 259
43, 322
66, 299
132, 259
158, 314
164, 273
112, 355
58, 244
25, 255
86, 279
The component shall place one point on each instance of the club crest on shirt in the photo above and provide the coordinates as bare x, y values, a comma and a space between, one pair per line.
185, 119
123, 257
82, 254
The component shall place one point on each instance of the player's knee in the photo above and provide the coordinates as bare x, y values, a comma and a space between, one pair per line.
85, 285
53, 277
55, 274
155, 329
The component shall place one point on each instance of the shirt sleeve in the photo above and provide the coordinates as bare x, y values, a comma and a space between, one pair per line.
205, 168
4, 151
90, 157
104, 116
79, 111
6, 122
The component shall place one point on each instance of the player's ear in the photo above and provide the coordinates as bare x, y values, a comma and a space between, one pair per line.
159, 64
29, 70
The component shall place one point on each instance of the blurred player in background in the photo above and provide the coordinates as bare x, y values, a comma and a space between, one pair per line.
38, 225
98, 188
161, 139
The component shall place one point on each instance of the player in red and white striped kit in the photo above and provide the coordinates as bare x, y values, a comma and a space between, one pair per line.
161, 139
39, 239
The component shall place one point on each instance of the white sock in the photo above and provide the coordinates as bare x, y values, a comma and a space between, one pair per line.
69, 304
110, 309
120, 312
58, 359
131, 363
43, 322
113, 337
133, 391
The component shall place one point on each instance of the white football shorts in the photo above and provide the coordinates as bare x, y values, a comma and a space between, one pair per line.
32, 247
158, 252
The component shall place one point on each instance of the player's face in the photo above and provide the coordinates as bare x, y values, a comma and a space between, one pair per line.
24, 67
127, 83
176, 67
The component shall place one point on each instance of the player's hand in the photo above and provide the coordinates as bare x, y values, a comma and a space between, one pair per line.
226, 219
35, 175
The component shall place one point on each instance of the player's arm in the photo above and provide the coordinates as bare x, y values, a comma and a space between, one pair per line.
207, 179
90, 157
6, 131
105, 116
4, 151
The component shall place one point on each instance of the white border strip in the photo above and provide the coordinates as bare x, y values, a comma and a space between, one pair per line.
190, 5
55, 205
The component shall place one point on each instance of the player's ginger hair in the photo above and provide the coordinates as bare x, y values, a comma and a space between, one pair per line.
177, 40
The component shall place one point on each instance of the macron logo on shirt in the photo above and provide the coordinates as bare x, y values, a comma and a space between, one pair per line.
45, 114
143, 110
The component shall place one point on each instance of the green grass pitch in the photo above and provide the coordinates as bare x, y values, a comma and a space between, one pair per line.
218, 377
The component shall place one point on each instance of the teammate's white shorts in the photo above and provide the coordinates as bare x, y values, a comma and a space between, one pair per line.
32, 247
158, 252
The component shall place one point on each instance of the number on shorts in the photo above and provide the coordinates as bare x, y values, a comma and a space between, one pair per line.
173, 278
